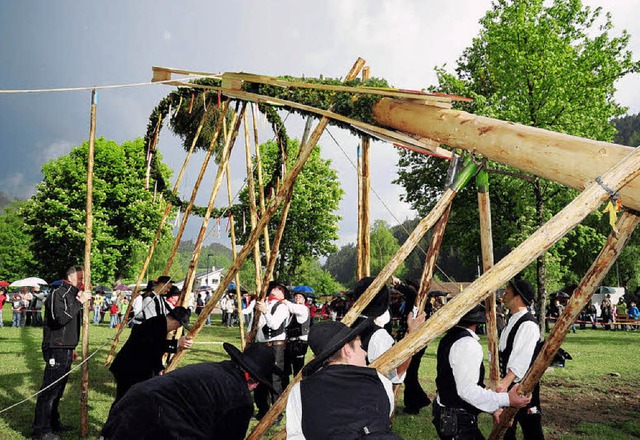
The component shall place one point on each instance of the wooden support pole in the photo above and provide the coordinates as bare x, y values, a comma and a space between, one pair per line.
226, 152
267, 246
154, 243
569, 160
305, 150
150, 150
84, 383
595, 275
234, 249
486, 244
364, 188
445, 318
196, 187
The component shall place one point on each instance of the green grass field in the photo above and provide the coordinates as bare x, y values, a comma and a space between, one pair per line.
594, 397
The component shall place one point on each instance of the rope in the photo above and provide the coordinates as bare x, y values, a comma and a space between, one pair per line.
115, 86
65, 375
387, 207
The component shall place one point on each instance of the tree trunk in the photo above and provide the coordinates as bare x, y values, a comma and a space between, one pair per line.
541, 262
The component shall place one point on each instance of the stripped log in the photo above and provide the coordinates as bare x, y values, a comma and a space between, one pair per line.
486, 244
261, 196
569, 160
84, 381
364, 188
595, 275
541, 240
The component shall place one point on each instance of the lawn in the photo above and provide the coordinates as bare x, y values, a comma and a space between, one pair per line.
594, 397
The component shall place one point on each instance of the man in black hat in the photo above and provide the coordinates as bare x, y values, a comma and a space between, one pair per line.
460, 383
376, 340
141, 356
297, 336
517, 346
153, 303
274, 316
199, 401
339, 396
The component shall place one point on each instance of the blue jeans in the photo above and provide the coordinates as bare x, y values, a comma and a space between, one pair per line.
17, 319
96, 315
114, 321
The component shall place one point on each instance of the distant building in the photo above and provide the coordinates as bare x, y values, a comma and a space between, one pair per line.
209, 279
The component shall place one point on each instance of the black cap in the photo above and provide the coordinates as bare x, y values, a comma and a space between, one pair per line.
477, 315
257, 359
181, 315
379, 304
174, 291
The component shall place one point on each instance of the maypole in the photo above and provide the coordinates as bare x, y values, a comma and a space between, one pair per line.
364, 188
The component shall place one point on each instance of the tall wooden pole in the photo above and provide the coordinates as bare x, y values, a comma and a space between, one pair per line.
364, 188
253, 210
595, 275
154, 243
305, 150
196, 187
234, 250
486, 244
152, 147
84, 383
267, 246
541, 240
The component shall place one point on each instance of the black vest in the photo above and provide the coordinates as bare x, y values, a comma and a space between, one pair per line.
295, 329
504, 356
445, 382
270, 333
345, 402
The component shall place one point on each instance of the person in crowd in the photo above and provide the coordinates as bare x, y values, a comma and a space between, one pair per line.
621, 312
98, 299
633, 313
62, 320
38, 302
460, 383
154, 304
17, 307
27, 301
272, 321
247, 312
3, 299
113, 312
606, 313
516, 353
141, 356
297, 332
356, 401
123, 303
172, 297
592, 312
198, 402
231, 310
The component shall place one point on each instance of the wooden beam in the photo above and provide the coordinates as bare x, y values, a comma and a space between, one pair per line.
445, 318
261, 195
569, 160
364, 189
595, 275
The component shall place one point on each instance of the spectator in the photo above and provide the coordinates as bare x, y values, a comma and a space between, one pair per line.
113, 312
3, 299
606, 312
17, 308
633, 313
621, 312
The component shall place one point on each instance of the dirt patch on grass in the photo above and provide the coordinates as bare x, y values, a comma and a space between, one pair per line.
567, 404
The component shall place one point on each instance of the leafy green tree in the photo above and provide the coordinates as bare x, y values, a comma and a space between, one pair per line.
628, 130
383, 247
16, 259
342, 265
125, 215
312, 222
551, 65
310, 273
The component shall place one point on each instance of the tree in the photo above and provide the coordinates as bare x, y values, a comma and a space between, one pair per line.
311, 274
16, 259
342, 265
312, 222
383, 247
125, 215
551, 65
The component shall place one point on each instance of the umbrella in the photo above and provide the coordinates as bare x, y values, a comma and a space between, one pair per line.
28, 282
437, 293
121, 287
561, 294
232, 288
103, 289
4, 284
606, 289
303, 289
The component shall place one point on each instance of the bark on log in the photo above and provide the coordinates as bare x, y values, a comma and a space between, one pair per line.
569, 160
263, 204
445, 318
595, 275
234, 250
364, 187
253, 209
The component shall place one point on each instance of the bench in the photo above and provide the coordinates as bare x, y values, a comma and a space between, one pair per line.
625, 320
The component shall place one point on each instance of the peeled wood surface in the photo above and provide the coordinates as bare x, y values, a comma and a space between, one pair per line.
569, 160
595, 275
541, 240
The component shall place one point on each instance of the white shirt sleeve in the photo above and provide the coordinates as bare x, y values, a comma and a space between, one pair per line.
275, 320
388, 387
524, 345
300, 311
465, 358
294, 414
380, 342
249, 308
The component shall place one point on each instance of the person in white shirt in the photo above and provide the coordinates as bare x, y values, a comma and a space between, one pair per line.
297, 336
273, 318
460, 383
517, 346
339, 397
155, 304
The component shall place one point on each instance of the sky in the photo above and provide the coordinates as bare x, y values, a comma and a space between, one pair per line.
48, 44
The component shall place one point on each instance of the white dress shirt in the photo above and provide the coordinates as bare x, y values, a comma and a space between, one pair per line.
273, 321
300, 312
524, 344
465, 358
380, 342
294, 408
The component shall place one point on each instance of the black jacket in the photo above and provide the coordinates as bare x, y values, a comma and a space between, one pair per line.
198, 401
62, 318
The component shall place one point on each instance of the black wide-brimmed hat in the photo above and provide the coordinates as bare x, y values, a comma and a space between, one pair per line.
477, 315
524, 289
257, 359
379, 304
164, 279
174, 291
326, 338
274, 284
181, 315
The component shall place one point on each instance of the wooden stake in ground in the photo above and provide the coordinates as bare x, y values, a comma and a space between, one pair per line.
84, 383
154, 243
364, 187
588, 201
267, 245
486, 243
613, 247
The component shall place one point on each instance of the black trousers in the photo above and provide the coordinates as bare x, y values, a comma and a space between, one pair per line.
263, 397
414, 396
467, 425
58, 363
294, 353
531, 426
